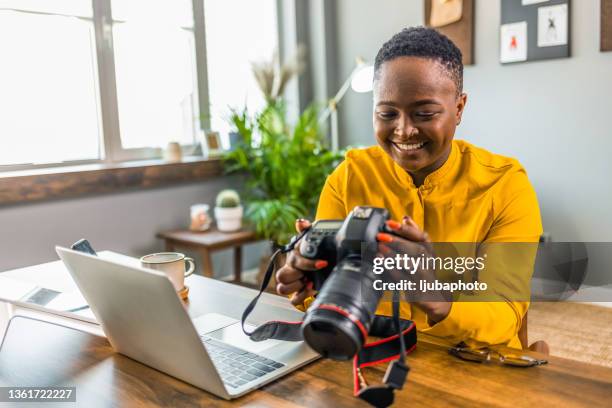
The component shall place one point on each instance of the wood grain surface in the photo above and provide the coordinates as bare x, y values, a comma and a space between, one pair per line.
206, 242
211, 239
606, 25
19, 187
461, 32
103, 378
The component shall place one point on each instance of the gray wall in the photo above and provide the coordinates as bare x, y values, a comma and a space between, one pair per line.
125, 222
362, 27
554, 116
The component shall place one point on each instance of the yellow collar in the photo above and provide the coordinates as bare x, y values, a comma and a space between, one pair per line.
432, 178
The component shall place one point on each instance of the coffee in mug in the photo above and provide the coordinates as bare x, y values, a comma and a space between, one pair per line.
173, 264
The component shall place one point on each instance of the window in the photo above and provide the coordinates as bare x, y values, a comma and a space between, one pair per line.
233, 42
49, 105
155, 72
112, 80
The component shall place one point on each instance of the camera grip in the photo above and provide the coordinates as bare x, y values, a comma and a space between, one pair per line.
318, 277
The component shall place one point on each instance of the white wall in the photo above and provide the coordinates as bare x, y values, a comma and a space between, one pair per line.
554, 116
125, 222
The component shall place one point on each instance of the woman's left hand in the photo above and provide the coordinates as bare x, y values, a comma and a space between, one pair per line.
408, 238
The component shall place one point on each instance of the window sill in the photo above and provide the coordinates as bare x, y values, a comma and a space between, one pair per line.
73, 181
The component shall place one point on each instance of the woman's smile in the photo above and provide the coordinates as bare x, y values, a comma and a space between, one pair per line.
411, 147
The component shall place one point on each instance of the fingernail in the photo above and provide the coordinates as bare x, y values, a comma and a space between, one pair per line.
394, 225
301, 220
406, 219
426, 235
382, 237
320, 264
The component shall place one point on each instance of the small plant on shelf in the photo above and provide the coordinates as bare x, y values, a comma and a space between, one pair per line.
228, 211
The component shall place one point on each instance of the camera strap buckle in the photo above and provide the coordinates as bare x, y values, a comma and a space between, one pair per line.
386, 349
396, 374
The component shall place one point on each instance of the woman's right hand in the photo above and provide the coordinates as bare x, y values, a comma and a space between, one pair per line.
291, 278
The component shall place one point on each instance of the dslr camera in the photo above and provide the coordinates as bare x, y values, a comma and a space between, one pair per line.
336, 325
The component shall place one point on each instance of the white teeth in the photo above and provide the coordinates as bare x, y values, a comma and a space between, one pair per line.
404, 146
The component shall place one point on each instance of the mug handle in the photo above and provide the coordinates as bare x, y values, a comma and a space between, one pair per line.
191, 268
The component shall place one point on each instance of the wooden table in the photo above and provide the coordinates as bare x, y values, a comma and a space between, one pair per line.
103, 378
207, 242
71, 357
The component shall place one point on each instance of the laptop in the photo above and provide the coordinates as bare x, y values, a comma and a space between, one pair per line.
144, 319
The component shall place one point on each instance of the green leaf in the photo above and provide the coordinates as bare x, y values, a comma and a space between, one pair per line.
285, 167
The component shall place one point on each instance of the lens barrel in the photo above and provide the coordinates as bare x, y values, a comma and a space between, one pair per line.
337, 323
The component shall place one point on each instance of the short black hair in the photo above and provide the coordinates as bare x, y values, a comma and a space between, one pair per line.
423, 42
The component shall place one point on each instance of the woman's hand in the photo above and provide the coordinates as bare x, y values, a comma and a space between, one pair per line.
409, 239
291, 277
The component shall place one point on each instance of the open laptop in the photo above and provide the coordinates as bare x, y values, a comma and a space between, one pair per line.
144, 319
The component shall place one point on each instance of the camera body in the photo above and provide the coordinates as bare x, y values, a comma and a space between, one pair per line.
337, 323
320, 243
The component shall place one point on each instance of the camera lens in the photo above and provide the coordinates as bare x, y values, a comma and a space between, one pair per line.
337, 323
332, 335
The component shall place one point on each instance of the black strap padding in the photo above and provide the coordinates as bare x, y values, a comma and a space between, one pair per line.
381, 350
379, 396
289, 331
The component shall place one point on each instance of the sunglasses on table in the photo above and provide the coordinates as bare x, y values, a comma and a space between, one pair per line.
486, 355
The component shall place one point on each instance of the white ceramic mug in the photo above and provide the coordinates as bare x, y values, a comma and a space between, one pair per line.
172, 264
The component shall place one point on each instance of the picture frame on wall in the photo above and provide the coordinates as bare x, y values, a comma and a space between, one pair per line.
532, 30
455, 19
606, 25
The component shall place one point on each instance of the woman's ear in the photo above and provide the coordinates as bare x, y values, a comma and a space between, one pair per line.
461, 102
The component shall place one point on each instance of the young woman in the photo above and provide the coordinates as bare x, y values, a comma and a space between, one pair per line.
443, 190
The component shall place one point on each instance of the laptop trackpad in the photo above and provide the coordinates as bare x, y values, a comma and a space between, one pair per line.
234, 336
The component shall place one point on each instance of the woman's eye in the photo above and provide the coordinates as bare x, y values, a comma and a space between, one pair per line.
425, 115
386, 115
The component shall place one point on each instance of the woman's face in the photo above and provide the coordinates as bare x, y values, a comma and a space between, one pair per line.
416, 111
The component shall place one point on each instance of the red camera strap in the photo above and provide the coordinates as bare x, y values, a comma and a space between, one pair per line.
383, 351
398, 339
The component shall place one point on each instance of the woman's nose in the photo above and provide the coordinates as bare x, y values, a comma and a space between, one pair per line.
405, 128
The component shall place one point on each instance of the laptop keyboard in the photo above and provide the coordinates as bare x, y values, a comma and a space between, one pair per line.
236, 366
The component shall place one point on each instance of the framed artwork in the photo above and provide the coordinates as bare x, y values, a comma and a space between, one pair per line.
534, 30
606, 25
211, 144
513, 42
455, 19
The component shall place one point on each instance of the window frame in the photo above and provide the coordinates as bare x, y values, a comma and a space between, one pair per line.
113, 150
110, 146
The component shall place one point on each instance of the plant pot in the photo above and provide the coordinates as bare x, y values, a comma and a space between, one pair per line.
228, 219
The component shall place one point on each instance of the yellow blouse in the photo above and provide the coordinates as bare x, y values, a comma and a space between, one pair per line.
476, 196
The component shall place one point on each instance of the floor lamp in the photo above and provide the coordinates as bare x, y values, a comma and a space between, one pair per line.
360, 80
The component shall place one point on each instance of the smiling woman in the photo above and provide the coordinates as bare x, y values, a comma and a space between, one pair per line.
444, 190
418, 100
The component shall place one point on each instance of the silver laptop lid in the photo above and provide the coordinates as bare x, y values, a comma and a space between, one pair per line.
143, 317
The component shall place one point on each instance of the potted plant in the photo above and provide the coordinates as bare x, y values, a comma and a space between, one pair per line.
285, 165
228, 211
